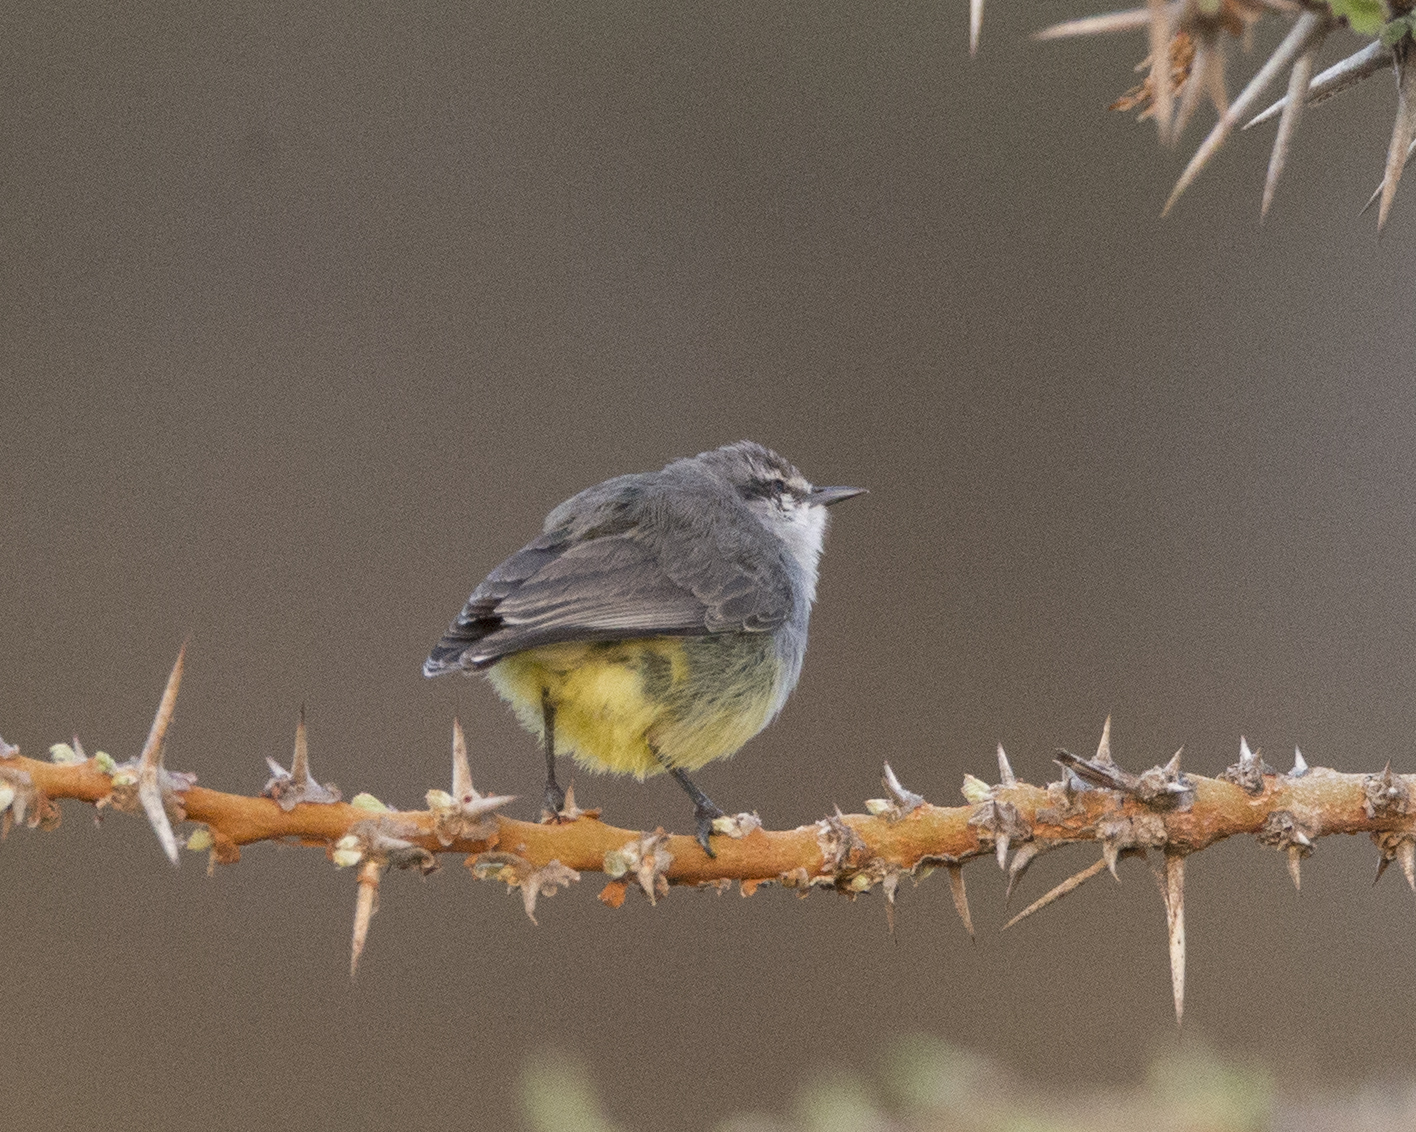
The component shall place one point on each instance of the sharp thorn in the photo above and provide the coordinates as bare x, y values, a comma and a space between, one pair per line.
1214, 83
300, 761
1406, 854
1298, 80
461, 768
364, 908
1173, 766
1110, 854
1133, 19
1341, 76
1071, 884
1162, 94
1022, 859
1300, 765
1246, 756
1305, 29
975, 24
1103, 749
150, 795
1000, 850
1403, 131
1382, 864
1194, 86
960, 895
157, 735
907, 800
1175, 923
1295, 866
150, 762
1006, 777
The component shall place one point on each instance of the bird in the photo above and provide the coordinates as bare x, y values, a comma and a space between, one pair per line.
658, 622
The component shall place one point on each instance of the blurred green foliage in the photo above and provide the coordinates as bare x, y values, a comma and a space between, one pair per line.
925, 1085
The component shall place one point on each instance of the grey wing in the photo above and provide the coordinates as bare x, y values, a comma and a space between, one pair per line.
611, 587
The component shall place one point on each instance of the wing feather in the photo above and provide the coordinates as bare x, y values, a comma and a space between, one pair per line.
596, 576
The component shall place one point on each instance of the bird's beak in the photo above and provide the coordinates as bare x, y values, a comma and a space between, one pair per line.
826, 496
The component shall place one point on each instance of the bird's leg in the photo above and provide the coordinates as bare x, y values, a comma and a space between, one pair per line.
554, 798
705, 811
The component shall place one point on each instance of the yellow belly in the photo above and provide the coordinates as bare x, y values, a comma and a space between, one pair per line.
691, 699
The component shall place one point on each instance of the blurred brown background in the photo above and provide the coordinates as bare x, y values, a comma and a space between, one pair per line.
307, 317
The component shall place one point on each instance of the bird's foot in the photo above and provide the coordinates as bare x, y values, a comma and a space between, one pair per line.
553, 811
705, 813
559, 808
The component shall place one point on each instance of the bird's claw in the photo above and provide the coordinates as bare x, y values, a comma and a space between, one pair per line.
553, 805
703, 819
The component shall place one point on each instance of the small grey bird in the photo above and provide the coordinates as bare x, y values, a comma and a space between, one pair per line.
660, 620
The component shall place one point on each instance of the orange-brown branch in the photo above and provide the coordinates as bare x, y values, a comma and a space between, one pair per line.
1323, 801
1096, 800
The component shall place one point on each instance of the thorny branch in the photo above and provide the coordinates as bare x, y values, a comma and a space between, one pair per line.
1186, 61
1161, 810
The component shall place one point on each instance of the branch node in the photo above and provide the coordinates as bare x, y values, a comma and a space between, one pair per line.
288, 788
1248, 773
648, 858
1386, 794
905, 801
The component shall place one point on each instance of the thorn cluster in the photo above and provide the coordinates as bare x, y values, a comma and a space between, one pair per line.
1186, 62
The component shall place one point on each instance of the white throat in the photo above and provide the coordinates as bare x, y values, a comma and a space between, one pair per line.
802, 526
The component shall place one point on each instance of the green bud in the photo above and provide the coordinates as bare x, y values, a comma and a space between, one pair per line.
616, 864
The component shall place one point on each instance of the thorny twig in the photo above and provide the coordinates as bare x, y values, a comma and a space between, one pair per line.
1160, 810
1186, 60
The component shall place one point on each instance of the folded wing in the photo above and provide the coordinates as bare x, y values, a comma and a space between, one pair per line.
612, 587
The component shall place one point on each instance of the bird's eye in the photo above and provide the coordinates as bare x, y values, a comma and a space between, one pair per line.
763, 489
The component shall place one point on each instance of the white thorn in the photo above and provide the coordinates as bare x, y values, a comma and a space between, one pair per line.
975, 24
1305, 29
1175, 923
1103, 749
1298, 80
1110, 854
150, 763
150, 795
1246, 756
1006, 777
364, 908
1162, 31
1403, 130
961, 896
1336, 79
1132, 19
1071, 884
1000, 849
1300, 765
1173, 766
1295, 865
1406, 856
300, 761
461, 769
